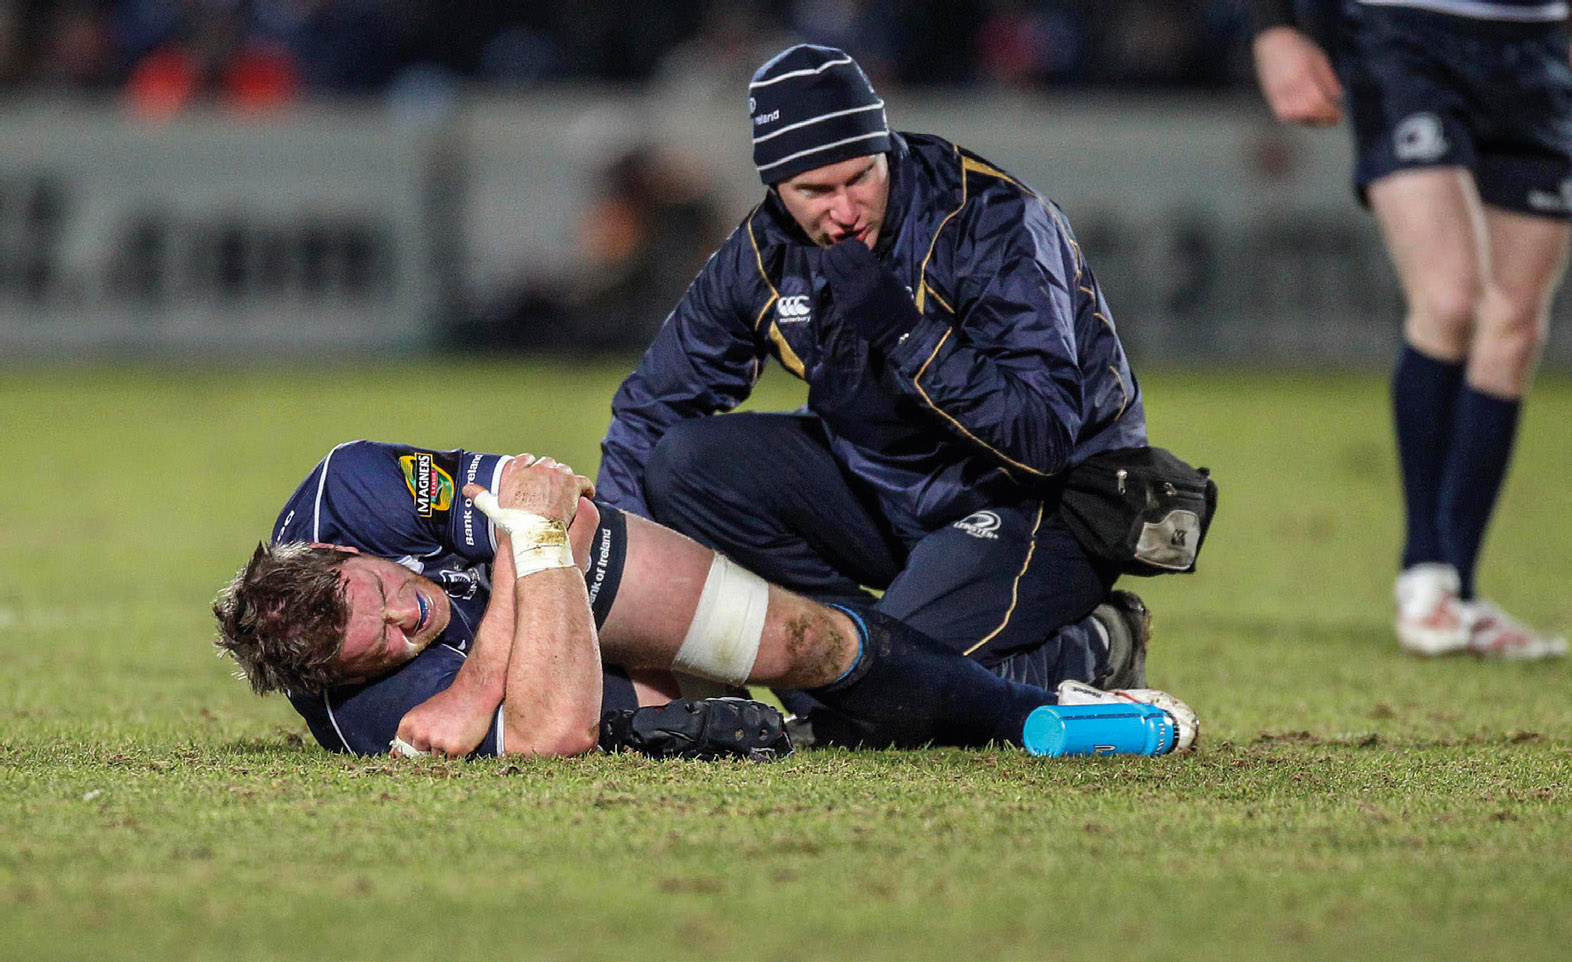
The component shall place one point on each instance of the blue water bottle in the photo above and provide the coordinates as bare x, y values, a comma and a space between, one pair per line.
1131, 728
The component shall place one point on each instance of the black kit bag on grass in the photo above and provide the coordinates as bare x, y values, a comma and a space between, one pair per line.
1142, 508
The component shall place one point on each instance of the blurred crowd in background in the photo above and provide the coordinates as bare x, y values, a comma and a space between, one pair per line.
162, 55
645, 219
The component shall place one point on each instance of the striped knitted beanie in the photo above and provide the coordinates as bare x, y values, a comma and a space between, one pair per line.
813, 106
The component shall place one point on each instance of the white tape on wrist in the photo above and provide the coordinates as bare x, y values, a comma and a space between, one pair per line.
402, 747
538, 543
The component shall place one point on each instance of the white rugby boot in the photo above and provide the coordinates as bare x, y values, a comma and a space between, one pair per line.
1492, 633
1187, 725
1430, 619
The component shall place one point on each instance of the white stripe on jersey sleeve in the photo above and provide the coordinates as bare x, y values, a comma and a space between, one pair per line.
496, 480
334, 719
316, 508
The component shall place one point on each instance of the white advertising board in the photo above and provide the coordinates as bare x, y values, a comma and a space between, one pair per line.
211, 233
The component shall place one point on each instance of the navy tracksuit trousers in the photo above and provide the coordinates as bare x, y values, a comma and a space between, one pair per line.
1008, 586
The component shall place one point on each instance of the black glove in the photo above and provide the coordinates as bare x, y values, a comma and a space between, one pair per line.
706, 730
869, 297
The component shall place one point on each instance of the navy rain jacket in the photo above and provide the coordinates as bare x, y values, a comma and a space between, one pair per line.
1014, 373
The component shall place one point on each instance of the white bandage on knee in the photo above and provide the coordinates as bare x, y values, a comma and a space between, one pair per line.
723, 639
538, 543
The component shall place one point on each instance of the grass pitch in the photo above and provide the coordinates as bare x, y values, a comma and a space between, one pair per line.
1349, 801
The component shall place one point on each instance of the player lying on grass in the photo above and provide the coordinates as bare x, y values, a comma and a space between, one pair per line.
389, 603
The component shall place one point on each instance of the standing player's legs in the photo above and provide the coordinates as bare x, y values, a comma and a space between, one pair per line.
1433, 224
1527, 256
1457, 124
1523, 172
1477, 281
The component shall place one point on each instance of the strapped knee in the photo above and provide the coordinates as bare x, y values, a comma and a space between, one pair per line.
723, 639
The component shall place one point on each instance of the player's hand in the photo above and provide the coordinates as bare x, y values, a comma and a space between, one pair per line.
870, 298
541, 486
1297, 78
447, 723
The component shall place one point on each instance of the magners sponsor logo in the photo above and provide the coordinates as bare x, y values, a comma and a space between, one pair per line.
431, 487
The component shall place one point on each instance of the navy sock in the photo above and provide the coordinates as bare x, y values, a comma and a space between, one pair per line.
907, 690
1482, 436
1424, 396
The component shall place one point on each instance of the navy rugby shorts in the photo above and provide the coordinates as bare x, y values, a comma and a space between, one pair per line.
1429, 89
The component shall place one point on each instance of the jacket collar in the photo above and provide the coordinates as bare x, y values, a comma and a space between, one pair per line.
899, 201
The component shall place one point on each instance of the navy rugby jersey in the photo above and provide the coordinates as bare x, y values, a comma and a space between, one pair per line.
406, 504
